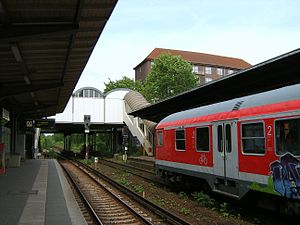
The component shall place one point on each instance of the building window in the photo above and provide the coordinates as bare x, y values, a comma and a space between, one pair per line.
230, 71
195, 69
220, 71
208, 79
201, 69
287, 136
80, 94
253, 138
180, 140
202, 139
207, 70
160, 138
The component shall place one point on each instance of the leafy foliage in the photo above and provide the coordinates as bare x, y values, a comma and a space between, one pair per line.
77, 142
204, 199
185, 211
47, 142
183, 195
125, 82
224, 208
169, 76
138, 188
124, 181
101, 147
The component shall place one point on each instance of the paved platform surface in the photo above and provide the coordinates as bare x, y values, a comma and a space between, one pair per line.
37, 193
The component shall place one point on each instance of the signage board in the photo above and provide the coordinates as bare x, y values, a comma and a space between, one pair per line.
5, 114
45, 123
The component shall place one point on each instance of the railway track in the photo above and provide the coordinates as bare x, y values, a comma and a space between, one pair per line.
110, 205
261, 215
239, 206
128, 166
148, 175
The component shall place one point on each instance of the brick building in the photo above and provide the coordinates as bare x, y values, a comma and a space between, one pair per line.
207, 67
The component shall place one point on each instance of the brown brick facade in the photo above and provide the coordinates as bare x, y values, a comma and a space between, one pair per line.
208, 67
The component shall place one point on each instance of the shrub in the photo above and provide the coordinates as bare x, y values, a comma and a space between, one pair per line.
204, 199
138, 188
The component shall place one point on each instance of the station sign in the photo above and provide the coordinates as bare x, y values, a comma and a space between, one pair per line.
45, 123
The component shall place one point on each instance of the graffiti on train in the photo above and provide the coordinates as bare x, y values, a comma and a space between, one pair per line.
286, 176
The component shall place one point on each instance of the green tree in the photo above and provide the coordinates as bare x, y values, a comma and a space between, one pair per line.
77, 142
169, 76
49, 141
46, 141
125, 82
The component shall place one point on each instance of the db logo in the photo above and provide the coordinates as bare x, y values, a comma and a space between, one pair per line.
203, 159
29, 123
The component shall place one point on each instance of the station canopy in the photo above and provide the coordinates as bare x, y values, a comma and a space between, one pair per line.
44, 47
271, 74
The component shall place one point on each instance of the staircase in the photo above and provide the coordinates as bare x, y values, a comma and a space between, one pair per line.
142, 129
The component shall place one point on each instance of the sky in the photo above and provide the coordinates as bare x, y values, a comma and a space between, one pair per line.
253, 30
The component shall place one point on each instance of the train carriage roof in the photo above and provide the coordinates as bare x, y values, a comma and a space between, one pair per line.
270, 97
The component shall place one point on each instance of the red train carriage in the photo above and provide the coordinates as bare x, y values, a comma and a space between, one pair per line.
248, 143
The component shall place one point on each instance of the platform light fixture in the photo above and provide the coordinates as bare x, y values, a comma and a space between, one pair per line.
16, 51
27, 80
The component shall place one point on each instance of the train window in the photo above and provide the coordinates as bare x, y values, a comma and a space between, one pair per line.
160, 138
202, 139
287, 136
220, 138
228, 137
180, 139
253, 138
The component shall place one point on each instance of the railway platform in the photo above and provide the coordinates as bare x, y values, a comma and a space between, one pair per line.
37, 193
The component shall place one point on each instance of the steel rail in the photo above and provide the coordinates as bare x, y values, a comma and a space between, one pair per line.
94, 214
128, 166
128, 207
166, 215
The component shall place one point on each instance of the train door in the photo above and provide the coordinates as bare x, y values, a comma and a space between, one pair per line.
225, 149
